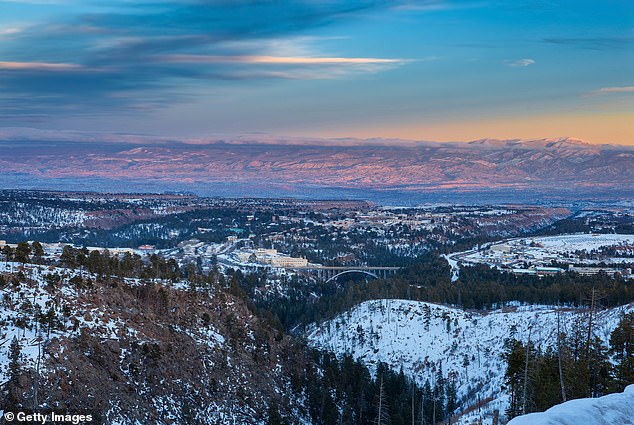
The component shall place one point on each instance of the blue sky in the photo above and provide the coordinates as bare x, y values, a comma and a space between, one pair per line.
425, 70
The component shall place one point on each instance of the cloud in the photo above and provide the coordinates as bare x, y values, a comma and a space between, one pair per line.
146, 51
275, 60
519, 63
436, 5
37, 66
9, 31
611, 90
282, 67
593, 43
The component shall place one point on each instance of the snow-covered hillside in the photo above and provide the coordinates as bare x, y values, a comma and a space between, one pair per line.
420, 337
167, 344
608, 410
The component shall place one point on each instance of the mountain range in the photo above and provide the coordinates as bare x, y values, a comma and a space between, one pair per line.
265, 166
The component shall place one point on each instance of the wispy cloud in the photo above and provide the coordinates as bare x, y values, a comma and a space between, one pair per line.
9, 31
611, 90
519, 63
38, 66
142, 48
593, 43
275, 60
433, 5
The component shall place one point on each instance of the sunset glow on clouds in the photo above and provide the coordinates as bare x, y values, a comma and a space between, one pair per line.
42, 66
427, 69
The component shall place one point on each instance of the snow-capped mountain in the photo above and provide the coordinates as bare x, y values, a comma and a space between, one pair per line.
552, 166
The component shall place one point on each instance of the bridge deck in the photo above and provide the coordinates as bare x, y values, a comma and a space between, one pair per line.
343, 268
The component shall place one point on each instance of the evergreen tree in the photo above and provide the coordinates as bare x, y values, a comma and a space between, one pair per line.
14, 372
22, 252
38, 251
514, 355
452, 395
68, 256
8, 252
274, 417
622, 348
439, 396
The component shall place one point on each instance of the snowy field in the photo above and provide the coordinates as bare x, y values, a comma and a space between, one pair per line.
572, 243
421, 337
576, 249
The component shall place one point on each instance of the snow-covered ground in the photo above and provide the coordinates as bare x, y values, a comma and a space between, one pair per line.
19, 307
570, 249
420, 337
611, 409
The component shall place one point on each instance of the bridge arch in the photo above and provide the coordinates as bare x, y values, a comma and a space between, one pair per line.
352, 271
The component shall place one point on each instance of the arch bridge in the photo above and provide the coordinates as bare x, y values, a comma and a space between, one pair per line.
329, 273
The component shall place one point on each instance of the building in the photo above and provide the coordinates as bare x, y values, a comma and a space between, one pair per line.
610, 271
286, 262
271, 258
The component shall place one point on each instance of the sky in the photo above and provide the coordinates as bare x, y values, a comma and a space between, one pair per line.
443, 70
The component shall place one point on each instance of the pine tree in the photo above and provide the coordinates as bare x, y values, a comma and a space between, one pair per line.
15, 367
22, 252
38, 251
622, 348
68, 256
14, 372
439, 395
452, 396
7, 251
274, 417
514, 355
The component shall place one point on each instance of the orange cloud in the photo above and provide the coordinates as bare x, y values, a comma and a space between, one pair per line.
276, 60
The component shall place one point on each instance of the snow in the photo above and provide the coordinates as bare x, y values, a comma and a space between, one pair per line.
543, 250
33, 294
455, 269
608, 410
467, 345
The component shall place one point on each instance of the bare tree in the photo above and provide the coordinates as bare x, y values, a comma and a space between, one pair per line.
382, 416
561, 374
528, 347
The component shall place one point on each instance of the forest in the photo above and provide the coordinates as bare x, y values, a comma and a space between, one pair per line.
578, 366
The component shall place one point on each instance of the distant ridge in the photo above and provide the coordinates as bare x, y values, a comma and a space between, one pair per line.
33, 134
261, 165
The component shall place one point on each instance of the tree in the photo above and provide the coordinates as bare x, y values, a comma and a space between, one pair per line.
14, 372
38, 251
22, 252
622, 348
7, 251
68, 256
452, 397
439, 396
274, 417
382, 416
514, 355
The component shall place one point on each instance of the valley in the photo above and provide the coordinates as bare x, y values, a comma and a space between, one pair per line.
105, 287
